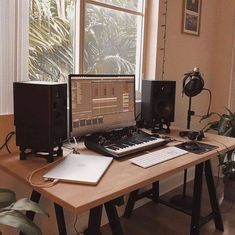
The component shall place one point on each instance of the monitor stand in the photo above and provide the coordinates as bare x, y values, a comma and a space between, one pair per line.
48, 153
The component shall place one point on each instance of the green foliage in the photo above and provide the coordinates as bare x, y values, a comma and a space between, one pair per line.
11, 212
7, 197
110, 39
225, 126
50, 44
228, 169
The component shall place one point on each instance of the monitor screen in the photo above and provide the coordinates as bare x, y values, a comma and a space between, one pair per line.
101, 102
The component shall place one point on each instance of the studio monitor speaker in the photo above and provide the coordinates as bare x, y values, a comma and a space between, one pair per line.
40, 117
158, 103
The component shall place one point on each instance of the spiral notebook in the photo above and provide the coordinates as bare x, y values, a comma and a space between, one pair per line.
80, 168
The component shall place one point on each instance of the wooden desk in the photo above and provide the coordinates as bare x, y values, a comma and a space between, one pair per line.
121, 178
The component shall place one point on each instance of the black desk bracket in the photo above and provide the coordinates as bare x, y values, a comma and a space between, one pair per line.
111, 211
195, 212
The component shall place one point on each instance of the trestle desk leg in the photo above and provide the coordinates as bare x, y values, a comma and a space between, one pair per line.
155, 188
113, 217
60, 219
35, 197
130, 203
197, 193
213, 197
94, 221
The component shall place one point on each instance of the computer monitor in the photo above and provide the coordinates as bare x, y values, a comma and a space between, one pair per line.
101, 102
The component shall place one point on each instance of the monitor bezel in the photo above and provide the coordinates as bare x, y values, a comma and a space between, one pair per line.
71, 76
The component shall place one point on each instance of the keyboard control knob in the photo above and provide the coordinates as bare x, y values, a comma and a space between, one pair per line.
101, 140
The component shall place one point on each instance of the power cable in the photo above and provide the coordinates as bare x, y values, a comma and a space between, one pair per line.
7, 139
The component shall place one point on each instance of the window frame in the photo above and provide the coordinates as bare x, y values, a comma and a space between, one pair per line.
79, 42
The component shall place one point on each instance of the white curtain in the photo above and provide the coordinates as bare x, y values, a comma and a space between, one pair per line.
14, 22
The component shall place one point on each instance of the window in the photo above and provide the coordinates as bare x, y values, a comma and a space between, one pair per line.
51, 39
101, 37
65, 37
113, 37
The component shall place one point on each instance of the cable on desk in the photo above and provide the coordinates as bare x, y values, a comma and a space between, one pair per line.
70, 146
43, 183
7, 139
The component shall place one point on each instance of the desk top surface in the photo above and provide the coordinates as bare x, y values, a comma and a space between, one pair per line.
121, 177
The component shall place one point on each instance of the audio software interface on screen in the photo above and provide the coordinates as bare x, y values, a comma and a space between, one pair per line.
101, 102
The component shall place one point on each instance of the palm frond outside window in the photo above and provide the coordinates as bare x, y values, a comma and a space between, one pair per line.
111, 32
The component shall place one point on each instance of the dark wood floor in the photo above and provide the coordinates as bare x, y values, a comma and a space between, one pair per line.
157, 219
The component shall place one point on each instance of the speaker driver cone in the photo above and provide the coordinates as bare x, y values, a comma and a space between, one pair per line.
163, 109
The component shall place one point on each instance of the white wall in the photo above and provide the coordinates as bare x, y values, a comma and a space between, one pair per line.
184, 52
223, 55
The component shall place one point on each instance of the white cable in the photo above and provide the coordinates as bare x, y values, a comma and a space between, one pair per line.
42, 184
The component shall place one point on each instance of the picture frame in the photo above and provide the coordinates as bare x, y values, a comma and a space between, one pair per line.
191, 17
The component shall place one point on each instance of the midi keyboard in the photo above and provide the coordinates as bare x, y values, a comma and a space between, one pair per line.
123, 142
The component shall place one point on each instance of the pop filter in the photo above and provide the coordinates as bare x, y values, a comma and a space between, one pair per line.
193, 83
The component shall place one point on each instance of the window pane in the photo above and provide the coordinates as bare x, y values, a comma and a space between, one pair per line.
110, 41
128, 4
50, 39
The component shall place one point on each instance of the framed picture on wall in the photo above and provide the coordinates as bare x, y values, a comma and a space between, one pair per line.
191, 17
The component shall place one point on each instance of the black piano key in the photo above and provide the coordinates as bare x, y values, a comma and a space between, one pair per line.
144, 140
130, 143
121, 145
138, 142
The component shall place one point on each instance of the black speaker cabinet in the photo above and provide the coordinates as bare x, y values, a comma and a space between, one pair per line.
40, 117
158, 104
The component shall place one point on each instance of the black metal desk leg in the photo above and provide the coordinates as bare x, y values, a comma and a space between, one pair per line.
155, 187
114, 220
94, 221
213, 197
60, 219
130, 204
197, 193
35, 197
